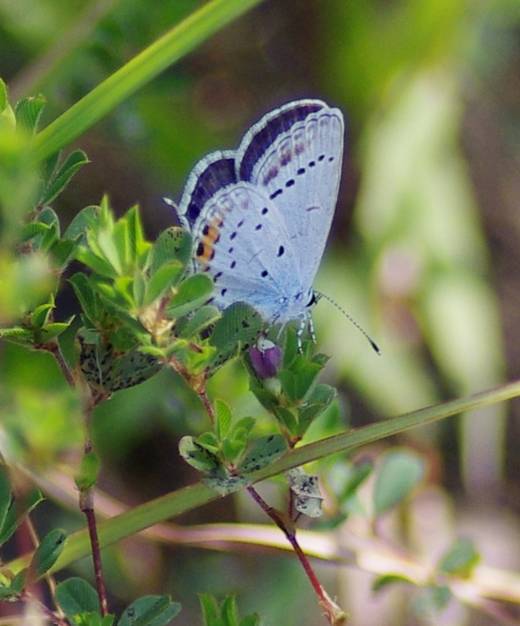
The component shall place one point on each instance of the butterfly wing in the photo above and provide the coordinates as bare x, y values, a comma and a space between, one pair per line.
241, 240
213, 172
294, 154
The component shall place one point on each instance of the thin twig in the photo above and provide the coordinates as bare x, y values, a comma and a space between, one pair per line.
332, 611
204, 398
86, 496
86, 500
86, 505
55, 350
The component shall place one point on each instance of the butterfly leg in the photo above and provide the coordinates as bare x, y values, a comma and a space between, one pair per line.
311, 328
299, 333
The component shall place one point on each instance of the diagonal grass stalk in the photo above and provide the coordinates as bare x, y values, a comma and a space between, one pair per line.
187, 498
169, 48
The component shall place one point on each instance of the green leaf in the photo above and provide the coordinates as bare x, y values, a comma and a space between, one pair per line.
298, 380
88, 471
17, 334
287, 418
197, 456
223, 483
19, 581
398, 474
386, 580
262, 452
138, 247
103, 367
61, 178
112, 251
86, 296
41, 313
209, 441
173, 244
191, 293
76, 596
51, 234
200, 320
223, 418
150, 611
229, 611
62, 252
210, 610
460, 559
319, 399
52, 330
93, 618
250, 620
6, 496
83, 221
431, 601
17, 512
47, 553
236, 441
359, 472
97, 263
28, 112
240, 324
164, 278
34, 229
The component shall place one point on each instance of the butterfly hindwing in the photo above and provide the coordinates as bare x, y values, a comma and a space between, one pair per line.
241, 240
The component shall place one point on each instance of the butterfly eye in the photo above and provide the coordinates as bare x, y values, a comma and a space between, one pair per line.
312, 300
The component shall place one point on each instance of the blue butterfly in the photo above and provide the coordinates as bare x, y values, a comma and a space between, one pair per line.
260, 215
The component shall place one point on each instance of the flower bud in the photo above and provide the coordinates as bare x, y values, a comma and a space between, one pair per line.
265, 358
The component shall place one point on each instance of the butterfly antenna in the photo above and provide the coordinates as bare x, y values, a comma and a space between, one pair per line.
182, 219
374, 345
170, 202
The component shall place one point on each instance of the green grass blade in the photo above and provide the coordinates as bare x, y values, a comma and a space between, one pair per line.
176, 43
187, 498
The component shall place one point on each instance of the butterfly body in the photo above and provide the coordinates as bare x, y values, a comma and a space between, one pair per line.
260, 215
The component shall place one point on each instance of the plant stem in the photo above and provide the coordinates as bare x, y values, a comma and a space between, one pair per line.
332, 611
86, 504
55, 350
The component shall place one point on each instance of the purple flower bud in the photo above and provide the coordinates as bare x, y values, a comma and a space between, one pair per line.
265, 358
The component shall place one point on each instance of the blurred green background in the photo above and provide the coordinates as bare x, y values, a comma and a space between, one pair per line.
423, 253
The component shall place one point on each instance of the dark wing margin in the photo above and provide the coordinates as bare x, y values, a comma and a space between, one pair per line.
211, 174
263, 134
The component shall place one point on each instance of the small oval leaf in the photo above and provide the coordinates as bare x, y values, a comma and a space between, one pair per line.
399, 473
76, 596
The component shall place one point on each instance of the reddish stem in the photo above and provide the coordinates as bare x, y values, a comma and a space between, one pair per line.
323, 599
86, 504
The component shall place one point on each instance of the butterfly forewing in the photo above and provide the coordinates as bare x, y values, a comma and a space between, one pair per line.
299, 168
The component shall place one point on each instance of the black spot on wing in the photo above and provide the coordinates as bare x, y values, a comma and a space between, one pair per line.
267, 135
216, 175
